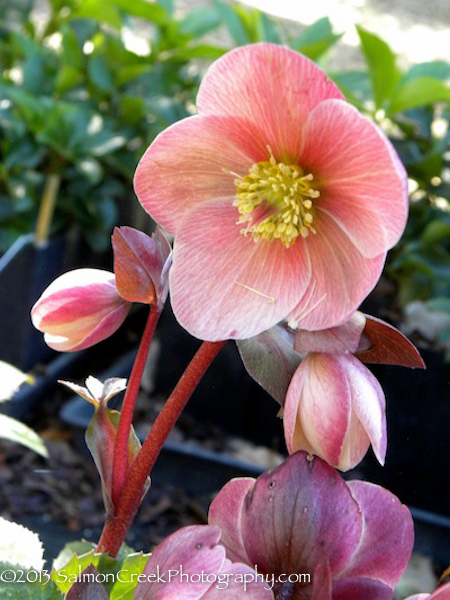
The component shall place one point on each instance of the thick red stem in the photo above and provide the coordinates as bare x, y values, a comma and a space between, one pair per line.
120, 464
117, 526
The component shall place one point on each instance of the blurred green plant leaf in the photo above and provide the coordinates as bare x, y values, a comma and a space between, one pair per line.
417, 92
381, 61
151, 11
200, 21
233, 22
15, 431
101, 11
316, 39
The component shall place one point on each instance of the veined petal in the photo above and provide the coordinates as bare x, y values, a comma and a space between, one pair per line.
272, 86
324, 407
299, 515
388, 535
226, 286
363, 183
226, 512
358, 588
183, 167
343, 339
341, 277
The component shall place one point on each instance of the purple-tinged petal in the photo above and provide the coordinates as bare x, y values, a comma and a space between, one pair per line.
388, 346
223, 285
322, 582
226, 512
184, 166
343, 339
388, 535
271, 360
238, 581
341, 277
362, 181
298, 515
87, 586
423, 597
361, 589
195, 549
271, 86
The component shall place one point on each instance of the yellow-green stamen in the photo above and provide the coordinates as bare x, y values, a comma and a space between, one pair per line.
275, 200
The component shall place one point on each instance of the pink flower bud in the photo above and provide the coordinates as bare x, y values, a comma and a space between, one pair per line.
79, 309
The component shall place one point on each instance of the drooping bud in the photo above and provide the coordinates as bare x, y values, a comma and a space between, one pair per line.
79, 309
141, 265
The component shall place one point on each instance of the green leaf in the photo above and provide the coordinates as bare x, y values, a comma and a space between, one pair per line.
435, 232
72, 548
100, 74
418, 92
101, 11
268, 30
439, 69
233, 22
143, 9
15, 431
381, 61
132, 567
316, 39
21, 589
201, 51
200, 21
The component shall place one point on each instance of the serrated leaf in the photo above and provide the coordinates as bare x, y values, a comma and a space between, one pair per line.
15, 431
21, 589
418, 92
381, 61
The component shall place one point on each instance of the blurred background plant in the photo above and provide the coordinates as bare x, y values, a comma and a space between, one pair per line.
86, 88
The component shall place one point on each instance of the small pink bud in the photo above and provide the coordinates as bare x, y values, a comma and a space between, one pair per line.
79, 309
141, 265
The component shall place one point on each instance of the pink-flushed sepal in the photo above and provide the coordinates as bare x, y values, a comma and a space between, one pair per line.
344, 339
335, 408
382, 343
141, 265
191, 565
303, 518
271, 360
102, 431
79, 309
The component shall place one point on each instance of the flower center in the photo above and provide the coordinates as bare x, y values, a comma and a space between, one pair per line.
275, 201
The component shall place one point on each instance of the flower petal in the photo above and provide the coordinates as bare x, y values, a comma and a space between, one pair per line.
272, 86
363, 183
320, 389
337, 340
299, 515
356, 589
368, 403
341, 278
240, 583
193, 548
224, 285
388, 535
225, 512
184, 165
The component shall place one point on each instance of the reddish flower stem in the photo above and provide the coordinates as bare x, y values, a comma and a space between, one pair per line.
117, 526
120, 464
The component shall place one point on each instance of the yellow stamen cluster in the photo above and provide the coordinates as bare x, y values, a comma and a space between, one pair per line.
275, 201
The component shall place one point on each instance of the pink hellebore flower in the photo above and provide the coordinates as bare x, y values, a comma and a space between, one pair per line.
283, 199
443, 593
191, 564
79, 309
353, 539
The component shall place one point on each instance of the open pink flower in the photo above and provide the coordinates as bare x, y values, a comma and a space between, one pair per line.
353, 539
79, 309
277, 157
